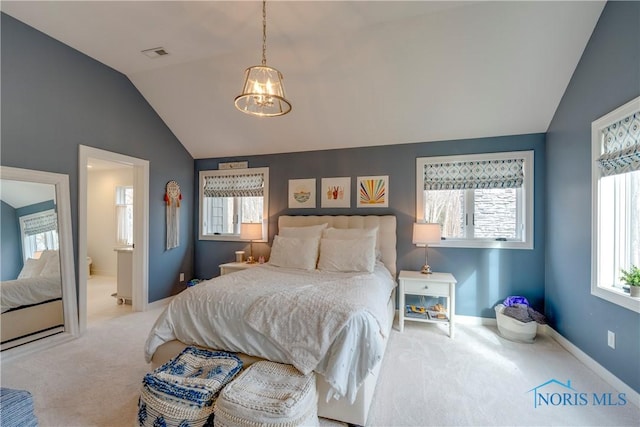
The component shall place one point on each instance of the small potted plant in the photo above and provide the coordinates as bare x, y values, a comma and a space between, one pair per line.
632, 278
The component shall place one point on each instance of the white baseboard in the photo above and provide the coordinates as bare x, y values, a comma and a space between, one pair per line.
615, 382
160, 303
632, 395
473, 320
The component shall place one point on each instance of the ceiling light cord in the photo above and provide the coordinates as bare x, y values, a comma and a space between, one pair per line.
264, 32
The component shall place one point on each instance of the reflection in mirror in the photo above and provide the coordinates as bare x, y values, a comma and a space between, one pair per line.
36, 268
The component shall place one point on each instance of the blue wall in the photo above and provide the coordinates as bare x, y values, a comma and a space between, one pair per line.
607, 76
35, 208
10, 245
55, 98
485, 276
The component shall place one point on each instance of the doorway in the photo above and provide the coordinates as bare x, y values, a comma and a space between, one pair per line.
123, 174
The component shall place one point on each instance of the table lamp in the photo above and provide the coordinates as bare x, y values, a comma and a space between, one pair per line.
251, 231
423, 234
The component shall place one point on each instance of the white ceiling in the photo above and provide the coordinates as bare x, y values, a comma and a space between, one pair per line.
358, 73
18, 194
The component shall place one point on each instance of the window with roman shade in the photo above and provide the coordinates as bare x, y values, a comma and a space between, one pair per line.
480, 200
40, 223
231, 197
234, 185
620, 146
615, 237
39, 232
504, 173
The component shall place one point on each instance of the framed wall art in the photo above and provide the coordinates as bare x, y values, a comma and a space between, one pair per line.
302, 193
336, 192
373, 192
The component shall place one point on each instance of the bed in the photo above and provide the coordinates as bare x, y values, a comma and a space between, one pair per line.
31, 305
355, 276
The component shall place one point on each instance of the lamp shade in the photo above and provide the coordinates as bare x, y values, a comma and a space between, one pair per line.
251, 231
263, 93
425, 233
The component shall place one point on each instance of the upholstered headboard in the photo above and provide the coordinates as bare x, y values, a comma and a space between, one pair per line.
386, 241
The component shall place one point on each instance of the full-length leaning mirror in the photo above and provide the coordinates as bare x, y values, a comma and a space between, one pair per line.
37, 289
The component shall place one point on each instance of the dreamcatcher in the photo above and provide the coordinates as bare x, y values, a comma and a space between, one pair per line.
172, 198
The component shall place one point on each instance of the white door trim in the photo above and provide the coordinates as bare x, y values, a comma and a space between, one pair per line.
140, 289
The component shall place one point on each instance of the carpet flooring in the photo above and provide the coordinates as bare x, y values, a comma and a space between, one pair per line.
427, 379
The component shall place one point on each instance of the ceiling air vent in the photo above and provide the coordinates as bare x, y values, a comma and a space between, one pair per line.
156, 52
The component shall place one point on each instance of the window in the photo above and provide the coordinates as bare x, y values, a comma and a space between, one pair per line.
124, 216
231, 197
39, 233
480, 200
615, 143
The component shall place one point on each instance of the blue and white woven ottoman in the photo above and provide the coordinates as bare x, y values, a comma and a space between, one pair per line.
182, 392
268, 394
16, 408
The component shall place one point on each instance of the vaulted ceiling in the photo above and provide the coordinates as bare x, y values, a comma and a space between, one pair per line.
358, 73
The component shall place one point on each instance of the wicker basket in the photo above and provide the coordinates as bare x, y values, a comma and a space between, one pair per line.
16, 408
183, 390
268, 394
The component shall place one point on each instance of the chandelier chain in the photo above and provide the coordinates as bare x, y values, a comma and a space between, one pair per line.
264, 32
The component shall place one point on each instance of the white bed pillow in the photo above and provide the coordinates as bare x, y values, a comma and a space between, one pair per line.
293, 252
353, 233
302, 232
51, 267
347, 255
32, 268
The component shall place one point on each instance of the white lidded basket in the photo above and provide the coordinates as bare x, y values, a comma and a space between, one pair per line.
513, 329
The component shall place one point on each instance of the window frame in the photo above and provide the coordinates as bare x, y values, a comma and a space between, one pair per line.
121, 190
606, 292
24, 218
527, 204
265, 203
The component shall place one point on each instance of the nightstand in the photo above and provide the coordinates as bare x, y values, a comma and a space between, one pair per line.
232, 267
438, 285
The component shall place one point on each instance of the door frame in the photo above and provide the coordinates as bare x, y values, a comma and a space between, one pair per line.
140, 279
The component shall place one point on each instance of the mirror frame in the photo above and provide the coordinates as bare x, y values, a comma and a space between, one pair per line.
67, 270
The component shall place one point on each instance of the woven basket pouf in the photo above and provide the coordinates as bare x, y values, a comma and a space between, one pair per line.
16, 408
183, 391
268, 394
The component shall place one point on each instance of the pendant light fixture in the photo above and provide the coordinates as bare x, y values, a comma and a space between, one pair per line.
263, 93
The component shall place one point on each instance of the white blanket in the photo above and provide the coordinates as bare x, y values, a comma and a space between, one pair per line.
342, 340
32, 290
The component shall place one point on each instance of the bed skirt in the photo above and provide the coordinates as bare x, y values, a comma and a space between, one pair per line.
32, 322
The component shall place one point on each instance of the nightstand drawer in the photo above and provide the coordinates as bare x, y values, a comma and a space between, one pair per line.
426, 288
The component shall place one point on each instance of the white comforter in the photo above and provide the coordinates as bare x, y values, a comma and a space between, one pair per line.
32, 290
331, 323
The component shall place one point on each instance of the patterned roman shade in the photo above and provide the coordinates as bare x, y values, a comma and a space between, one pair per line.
504, 173
621, 146
40, 223
236, 185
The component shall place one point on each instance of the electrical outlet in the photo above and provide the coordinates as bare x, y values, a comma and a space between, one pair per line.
181, 277
611, 339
